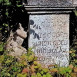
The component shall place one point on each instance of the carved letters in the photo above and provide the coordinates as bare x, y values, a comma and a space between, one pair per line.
50, 38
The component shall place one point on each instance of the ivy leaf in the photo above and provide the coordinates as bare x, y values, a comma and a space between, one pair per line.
62, 70
0, 28
6, 13
75, 12
19, 5
5, 24
7, 2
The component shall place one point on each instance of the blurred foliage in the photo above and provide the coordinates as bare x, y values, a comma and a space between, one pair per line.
1, 46
23, 66
27, 65
11, 13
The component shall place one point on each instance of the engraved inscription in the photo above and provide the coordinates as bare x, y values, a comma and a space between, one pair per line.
49, 36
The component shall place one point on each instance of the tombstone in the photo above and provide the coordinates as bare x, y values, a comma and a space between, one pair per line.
49, 30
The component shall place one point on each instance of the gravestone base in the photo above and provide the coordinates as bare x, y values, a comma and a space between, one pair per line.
49, 37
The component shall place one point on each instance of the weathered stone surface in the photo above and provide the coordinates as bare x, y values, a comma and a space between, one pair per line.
52, 3
49, 35
15, 49
15, 41
75, 2
21, 33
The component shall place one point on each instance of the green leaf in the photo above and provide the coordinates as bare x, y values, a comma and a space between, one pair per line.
38, 75
32, 76
14, 69
62, 70
1, 58
0, 28
45, 70
1, 48
6, 13
75, 11
68, 70
5, 24
48, 75
30, 49
8, 74
19, 75
19, 5
42, 72
5, 30
44, 75
7, 2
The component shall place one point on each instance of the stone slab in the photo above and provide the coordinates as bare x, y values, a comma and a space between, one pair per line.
49, 37
52, 3
75, 2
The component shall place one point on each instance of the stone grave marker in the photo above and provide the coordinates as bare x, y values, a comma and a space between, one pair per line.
49, 30
49, 35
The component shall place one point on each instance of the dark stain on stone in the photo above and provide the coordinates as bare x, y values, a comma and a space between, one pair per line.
35, 34
31, 22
